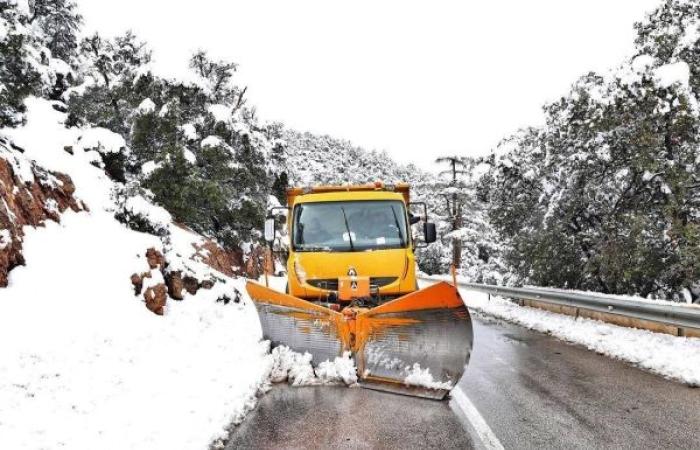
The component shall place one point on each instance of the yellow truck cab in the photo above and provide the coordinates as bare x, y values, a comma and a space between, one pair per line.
363, 232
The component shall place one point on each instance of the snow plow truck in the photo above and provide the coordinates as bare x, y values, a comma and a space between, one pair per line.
352, 287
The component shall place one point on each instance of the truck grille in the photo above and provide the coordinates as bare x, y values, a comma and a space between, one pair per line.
331, 284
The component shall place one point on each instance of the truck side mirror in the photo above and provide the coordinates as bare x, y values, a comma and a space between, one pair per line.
270, 230
430, 232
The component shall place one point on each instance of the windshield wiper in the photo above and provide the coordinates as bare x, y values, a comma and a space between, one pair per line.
347, 226
398, 227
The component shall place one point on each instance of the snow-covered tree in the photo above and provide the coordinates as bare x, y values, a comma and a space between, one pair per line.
606, 195
27, 66
60, 23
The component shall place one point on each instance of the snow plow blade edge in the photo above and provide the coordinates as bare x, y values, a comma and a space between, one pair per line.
418, 344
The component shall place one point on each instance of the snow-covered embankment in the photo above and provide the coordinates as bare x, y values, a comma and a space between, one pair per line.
82, 363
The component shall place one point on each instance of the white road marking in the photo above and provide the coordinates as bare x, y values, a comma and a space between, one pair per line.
483, 431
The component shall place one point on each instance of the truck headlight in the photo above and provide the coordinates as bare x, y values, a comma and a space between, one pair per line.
299, 271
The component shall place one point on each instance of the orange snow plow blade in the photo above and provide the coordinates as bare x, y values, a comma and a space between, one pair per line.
418, 344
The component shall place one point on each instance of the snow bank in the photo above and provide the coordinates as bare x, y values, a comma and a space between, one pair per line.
83, 363
673, 357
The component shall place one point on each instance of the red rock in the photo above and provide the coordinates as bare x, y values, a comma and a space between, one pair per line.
191, 284
175, 284
27, 205
155, 259
137, 281
218, 258
156, 297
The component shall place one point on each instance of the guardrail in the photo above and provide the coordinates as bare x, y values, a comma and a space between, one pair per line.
678, 316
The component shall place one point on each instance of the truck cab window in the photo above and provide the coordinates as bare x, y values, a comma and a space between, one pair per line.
350, 226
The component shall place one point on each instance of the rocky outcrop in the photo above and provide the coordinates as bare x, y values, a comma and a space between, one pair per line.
228, 262
172, 279
160, 283
179, 284
151, 285
29, 195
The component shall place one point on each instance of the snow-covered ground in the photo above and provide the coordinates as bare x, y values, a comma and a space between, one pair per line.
673, 357
83, 363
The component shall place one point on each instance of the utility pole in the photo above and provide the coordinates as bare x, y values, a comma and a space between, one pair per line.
454, 204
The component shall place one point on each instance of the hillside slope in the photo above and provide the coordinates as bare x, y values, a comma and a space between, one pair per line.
88, 361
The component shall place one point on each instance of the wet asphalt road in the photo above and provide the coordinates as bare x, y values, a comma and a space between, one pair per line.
533, 391
340, 417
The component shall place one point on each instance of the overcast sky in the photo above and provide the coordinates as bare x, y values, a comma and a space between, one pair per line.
418, 79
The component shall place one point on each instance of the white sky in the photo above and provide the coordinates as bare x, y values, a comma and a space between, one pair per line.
418, 79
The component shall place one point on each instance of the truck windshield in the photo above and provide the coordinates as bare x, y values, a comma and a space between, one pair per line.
349, 226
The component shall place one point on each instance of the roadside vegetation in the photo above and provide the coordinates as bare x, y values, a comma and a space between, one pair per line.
604, 197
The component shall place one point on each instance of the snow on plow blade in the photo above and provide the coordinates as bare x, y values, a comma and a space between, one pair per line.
418, 344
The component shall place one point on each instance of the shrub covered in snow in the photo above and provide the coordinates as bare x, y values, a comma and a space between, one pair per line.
141, 215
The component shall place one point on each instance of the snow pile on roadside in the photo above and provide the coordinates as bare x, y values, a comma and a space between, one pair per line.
84, 361
83, 364
670, 356
296, 369
633, 298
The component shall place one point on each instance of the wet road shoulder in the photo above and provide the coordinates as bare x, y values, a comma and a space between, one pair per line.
339, 417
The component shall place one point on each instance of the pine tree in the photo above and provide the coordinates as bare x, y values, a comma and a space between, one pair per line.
18, 75
455, 198
60, 23
218, 76
108, 61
